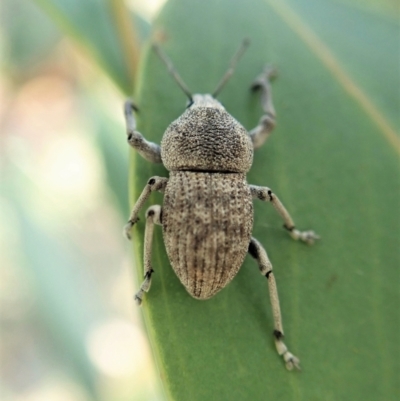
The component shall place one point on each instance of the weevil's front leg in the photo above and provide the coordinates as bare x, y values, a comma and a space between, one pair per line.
260, 255
266, 195
267, 122
149, 150
153, 216
154, 184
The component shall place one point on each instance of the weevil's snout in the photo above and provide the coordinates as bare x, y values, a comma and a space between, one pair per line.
206, 100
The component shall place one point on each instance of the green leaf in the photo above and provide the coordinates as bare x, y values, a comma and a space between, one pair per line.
105, 31
363, 43
333, 162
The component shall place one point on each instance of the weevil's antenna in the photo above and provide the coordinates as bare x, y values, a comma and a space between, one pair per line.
171, 69
245, 44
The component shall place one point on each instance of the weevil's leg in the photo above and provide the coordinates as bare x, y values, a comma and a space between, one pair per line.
149, 150
266, 195
260, 255
153, 216
154, 184
267, 122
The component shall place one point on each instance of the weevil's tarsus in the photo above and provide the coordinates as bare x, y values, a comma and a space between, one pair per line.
309, 237
145, 287
128, 227
153, 184
267, 121
153, 216
257, 251
244, 45
172, 70
265, 194
149, 150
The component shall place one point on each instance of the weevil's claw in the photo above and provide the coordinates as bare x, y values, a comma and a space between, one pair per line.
291, 361
131, 104
128, 227
139, 296
138, 300
145, 287
271, 72
309, 237
127, 231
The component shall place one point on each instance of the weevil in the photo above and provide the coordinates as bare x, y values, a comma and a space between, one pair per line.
207, 213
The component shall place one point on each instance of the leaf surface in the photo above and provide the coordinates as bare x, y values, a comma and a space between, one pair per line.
334, 169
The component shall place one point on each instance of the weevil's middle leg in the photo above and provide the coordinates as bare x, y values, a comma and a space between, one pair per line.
265, 194
153, 216
149, 150
258, 252
267, 122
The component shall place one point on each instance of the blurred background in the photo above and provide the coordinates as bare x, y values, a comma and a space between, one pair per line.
70, 330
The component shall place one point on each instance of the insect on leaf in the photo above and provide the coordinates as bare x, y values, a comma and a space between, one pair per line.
332, 160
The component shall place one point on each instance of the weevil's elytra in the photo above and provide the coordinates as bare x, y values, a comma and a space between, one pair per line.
207, 253
207, 213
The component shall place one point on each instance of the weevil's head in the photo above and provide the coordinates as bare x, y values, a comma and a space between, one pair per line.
206, 138
198, 100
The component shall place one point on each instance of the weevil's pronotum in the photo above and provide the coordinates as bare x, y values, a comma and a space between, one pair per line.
207, 213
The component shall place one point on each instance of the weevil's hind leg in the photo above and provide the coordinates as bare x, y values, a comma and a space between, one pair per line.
267, 122
258, 252
153, 216
149, 150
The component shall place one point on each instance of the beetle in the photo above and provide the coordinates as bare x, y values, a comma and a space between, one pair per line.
207, 212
